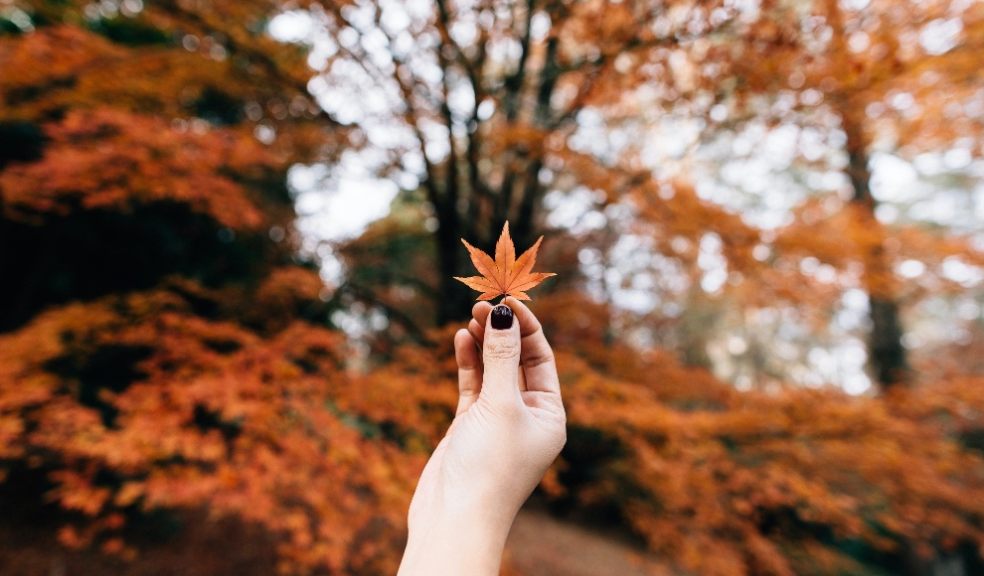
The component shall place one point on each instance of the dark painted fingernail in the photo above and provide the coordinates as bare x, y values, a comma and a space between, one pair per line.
502, 317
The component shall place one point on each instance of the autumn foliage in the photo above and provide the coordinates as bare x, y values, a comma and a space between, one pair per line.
171, 362
168, 410
506, 275
188, 382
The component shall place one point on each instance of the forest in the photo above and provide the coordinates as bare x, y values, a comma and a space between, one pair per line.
230, 231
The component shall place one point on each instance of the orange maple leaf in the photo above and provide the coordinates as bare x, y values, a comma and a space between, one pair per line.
506, 275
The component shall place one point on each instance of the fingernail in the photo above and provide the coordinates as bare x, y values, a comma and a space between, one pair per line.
502, 317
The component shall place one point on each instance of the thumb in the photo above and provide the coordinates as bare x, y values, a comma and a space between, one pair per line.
500, 355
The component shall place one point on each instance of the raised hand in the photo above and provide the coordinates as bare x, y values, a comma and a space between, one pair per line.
509, 427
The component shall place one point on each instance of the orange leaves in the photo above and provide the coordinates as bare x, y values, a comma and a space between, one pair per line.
717, 481
506, 275
181, 396
64, 49
704, 481
210, 416
110, 160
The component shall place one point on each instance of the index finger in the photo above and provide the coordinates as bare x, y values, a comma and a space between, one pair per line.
480, 311
536, 356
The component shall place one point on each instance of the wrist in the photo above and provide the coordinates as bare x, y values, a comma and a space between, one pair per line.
457, 539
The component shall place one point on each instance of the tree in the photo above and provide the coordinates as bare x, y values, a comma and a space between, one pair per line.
869, 73
205, 99
163, 354
479, 103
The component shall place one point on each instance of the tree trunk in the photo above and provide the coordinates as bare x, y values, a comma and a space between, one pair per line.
456, 299
521, 175
886, 355
455, 302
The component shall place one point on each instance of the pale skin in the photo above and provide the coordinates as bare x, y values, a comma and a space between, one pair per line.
509, 427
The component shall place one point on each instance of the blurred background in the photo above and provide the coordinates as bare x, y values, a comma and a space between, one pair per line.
228, 230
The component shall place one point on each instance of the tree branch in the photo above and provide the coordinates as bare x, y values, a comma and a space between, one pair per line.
392, 312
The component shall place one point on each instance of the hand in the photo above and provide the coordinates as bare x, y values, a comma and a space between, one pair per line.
509, 427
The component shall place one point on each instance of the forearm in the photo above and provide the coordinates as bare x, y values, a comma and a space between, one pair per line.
504, 436
455, 544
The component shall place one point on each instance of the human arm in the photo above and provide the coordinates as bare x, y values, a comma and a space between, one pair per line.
508, 428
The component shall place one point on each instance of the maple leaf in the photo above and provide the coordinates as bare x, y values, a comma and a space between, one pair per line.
506, 275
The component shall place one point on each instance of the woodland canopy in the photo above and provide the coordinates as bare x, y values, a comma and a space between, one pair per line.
229, 231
